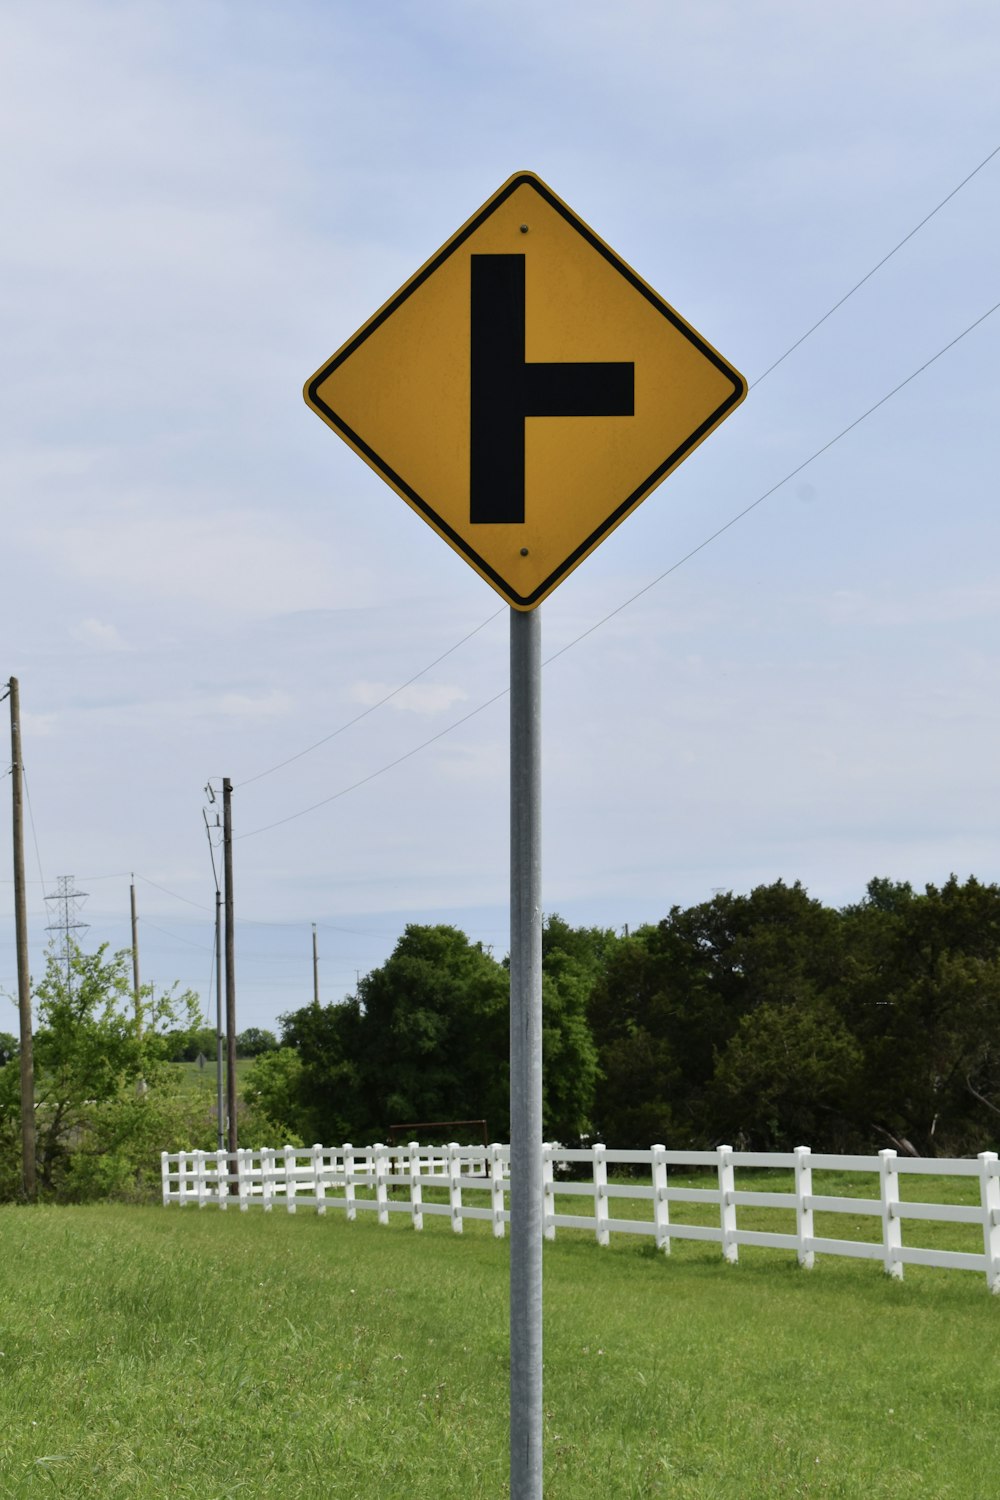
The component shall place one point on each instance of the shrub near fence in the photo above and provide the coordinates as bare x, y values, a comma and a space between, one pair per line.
323, 1176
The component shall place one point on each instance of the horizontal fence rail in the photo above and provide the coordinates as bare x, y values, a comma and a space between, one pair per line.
384, 1179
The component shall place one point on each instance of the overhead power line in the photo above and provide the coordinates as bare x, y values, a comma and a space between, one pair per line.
407, 754
323, 926
739, 516
176, 894
176, 936
372, 706
767, 493
877, 267
31, 820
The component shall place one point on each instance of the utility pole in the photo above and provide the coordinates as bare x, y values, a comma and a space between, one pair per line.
135, 959
227, 865
219, 1033
28, 1177
315, 969
220, 1107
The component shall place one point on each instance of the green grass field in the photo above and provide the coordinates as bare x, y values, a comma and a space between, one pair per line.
172, 1352
189, 1078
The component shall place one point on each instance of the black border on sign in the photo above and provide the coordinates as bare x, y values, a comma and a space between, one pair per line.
528, 601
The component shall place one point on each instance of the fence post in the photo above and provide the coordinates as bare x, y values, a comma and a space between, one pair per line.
892, 1225
181, 1171
349, 1199
416, 1191
601, 1196
222, 1178
803, 1206
455, 1186
661, 1203
199, 1177
496, 1189
291, 1181
267, 1177
318, 1158
165, 1178
242, 1179
378, 1158
727, 1204
989, 1195
548, 1193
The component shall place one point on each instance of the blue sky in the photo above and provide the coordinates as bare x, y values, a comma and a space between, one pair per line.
202, 201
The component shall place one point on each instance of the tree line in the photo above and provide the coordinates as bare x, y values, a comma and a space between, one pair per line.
766, 1020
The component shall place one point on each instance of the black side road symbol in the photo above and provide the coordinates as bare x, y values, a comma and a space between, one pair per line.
506, 390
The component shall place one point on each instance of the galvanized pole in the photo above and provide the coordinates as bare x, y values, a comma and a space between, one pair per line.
525, 1057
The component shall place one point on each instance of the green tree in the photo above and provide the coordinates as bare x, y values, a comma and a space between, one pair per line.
787, 1077
273, 1089
588, 947
672, 996
922, 995
183, 1044
254, 1041
102, 1114
572, 960
426, 1038
433, 1032
321, 1098
641, 1090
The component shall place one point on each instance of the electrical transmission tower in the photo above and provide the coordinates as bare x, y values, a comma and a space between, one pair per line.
68, 907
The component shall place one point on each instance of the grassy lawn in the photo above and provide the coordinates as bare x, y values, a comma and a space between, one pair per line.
189, 1078
169, 1352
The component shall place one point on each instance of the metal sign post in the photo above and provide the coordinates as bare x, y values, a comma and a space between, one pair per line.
525, 1056
523, 393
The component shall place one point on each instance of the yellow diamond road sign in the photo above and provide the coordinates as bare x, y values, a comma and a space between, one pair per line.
525, 390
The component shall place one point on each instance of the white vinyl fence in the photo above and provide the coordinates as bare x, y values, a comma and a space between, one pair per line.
392, 1179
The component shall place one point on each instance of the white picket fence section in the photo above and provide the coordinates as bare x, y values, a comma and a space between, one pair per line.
328, 1176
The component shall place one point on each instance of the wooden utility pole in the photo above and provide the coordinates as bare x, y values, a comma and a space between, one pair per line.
220, 1072
315, 969
135, 958
28, 1178
220, 1035
227, 868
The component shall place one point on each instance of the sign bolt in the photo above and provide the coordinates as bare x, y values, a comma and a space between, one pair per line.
524, 228
524, 551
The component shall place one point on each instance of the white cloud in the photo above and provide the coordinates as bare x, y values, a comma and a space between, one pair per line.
424, 698
220, 557
272, 705
943, 606
96, 633
37, 726
485, 764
